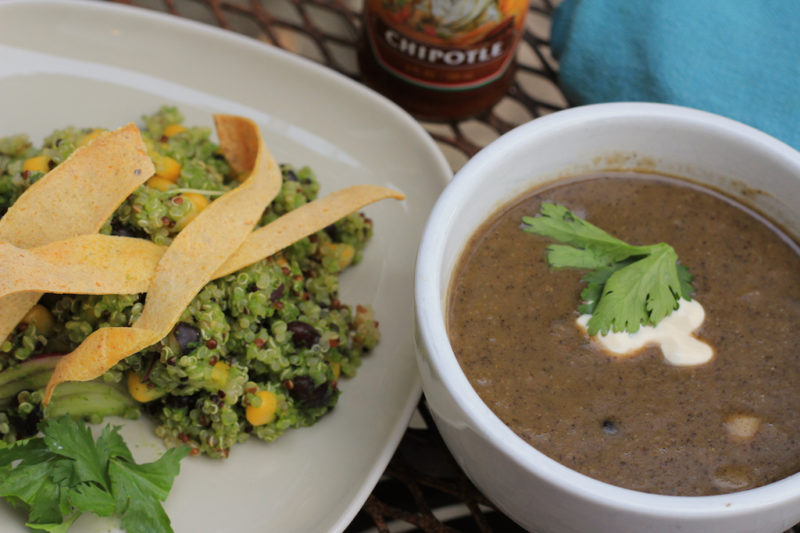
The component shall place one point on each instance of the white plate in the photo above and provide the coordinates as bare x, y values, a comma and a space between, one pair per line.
90, 64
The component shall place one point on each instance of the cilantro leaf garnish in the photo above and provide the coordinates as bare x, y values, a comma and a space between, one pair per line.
65, 472
628, 286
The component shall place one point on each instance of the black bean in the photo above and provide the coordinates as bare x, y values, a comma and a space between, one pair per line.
126, 230
303, 335
290, 175
609, 427
187, 336
332, 231
180, 401
152, 408
277, 294
308, 393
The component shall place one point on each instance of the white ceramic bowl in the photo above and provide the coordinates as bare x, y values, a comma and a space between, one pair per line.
534, 490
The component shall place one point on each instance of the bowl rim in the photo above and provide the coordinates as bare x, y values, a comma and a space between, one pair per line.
440, 357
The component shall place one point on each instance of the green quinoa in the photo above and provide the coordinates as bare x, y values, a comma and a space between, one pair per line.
277, 325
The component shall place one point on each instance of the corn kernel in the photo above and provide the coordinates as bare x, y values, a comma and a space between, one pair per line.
342, 252
39, 163
142, 392
41, 318
89, 137
265, 412
198, 202
742, 428
159, 183
219, 374
173, 129
167, 168
336, 366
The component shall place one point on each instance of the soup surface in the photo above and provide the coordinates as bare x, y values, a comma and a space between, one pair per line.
639, 422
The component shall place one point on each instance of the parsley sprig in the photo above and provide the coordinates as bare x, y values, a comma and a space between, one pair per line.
628, 286
63, 473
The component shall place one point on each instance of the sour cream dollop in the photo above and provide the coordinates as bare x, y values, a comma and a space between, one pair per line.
673, 335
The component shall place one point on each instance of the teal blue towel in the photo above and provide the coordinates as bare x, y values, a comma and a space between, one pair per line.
736, 58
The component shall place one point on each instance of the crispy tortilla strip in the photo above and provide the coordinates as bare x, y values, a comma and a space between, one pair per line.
102, 264
80, 194
75, 198
87, 264
302, 222
238, 145
189, 262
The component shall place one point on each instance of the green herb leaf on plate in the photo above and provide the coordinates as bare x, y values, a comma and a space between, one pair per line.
65, 472
139, 489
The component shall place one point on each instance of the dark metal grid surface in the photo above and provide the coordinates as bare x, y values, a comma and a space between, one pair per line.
424, 489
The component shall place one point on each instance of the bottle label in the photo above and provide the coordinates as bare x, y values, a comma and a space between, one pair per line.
445, 44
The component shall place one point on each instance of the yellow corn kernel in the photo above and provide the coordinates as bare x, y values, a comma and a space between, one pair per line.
159, 183
265, 412
219, 374
336, 366
39, 163
173, 129
89, 137
41, 318
342, 252
281, 261
198, 203
167, 168
142, 392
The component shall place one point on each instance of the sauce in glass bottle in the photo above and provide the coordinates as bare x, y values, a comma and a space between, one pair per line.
441, 59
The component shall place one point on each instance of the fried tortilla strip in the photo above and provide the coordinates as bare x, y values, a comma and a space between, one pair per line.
189, 262
87, 264
75, 198
102, 264
302, 222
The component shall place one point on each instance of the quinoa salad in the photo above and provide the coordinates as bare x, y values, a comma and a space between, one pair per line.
256, 352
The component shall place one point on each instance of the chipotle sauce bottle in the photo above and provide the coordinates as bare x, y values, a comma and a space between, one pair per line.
441, 59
